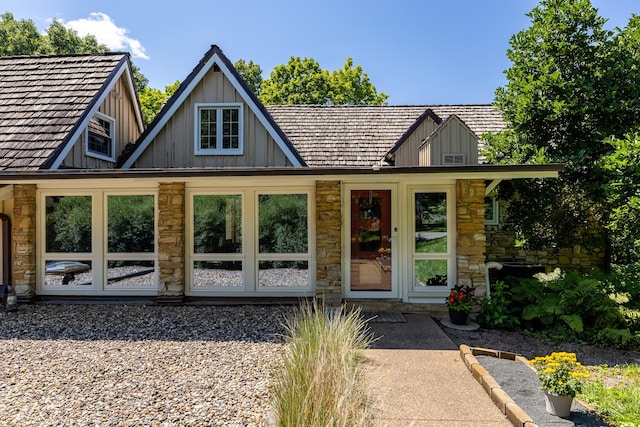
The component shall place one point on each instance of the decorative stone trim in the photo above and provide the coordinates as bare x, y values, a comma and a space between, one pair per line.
471, 240
171, 239
328, 242
24, 239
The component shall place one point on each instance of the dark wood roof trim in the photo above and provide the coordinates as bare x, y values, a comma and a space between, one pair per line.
90, 107
65, 174
428, 113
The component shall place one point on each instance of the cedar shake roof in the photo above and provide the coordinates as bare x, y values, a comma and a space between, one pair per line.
43, 99
361, 136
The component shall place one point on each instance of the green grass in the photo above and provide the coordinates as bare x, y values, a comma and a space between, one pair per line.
322, 382
615, 393
426, 269
437, 245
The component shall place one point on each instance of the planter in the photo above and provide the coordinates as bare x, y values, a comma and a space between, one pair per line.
560, 406
458, 317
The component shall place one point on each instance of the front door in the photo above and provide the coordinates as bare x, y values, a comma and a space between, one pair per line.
370, 257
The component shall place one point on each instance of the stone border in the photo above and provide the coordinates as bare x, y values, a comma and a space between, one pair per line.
513, 412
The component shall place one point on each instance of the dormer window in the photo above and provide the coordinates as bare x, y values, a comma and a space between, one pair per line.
218, 129
101, 137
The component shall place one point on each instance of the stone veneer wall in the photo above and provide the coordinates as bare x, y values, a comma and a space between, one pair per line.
171, 239
328, 242
471, 241
24, 239
501, 247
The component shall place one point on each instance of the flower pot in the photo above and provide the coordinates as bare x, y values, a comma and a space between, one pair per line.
458, 317
560, 406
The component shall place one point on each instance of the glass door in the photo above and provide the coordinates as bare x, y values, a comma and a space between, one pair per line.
371, 257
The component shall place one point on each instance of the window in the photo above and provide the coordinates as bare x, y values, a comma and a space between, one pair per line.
491, 210
101, 137
433, 246
453, 159
218, 129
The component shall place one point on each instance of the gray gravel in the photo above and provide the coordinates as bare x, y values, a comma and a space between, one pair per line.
137, 365
521, 383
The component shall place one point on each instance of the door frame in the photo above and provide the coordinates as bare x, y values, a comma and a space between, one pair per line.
394, 293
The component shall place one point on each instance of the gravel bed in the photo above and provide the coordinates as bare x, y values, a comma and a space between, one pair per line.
521, 383
135, 365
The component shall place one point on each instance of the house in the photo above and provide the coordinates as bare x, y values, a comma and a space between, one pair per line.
222, 197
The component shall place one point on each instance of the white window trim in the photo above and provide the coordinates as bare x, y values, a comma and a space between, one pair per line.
101, 156
219, 150
495, 220
449, 256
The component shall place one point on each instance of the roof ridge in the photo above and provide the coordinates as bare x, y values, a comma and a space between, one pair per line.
73, 55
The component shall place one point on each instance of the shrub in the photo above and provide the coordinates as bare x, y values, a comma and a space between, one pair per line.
496, 311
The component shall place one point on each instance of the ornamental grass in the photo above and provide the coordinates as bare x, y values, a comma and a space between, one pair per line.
321, 383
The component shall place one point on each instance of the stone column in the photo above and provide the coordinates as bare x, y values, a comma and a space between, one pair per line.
328, 242
24, 239
171, 240
471, 241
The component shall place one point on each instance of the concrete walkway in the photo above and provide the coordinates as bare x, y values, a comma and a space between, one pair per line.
417, 378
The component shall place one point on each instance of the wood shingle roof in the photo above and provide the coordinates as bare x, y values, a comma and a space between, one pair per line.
360, 136
42, 101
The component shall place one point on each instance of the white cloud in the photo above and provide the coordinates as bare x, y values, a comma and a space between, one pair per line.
107, 32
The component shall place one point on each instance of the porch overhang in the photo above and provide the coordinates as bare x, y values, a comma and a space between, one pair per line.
486, 172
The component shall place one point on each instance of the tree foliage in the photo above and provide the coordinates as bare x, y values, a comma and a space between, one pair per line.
251, 73
303, 81
571, 85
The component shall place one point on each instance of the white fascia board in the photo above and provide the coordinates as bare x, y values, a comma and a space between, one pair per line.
81, 128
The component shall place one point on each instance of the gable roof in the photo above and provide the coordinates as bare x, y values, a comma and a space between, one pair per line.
361, 136
46, 101
214, 57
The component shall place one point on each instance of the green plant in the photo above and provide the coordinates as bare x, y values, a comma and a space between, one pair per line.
495, 311
461, 298
560, 373
321, 382
614, 392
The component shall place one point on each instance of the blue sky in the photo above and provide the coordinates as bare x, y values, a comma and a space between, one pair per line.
417, 52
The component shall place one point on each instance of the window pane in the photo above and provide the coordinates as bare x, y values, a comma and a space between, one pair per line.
217, 274
431, 272
208, 127
68, 223
283, 274
283, 223
131, 275
130, 223
217, 224
431, 222
68, 273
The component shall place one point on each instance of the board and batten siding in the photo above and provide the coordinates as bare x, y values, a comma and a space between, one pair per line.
452, 137
120, 106
407, 154
174, 144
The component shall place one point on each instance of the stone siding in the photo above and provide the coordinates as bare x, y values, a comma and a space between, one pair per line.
171, 239
501, 247
471, 241
24, 239
328, 242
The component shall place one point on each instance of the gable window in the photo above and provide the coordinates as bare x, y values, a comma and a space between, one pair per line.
218, 129
101, 137
453, 159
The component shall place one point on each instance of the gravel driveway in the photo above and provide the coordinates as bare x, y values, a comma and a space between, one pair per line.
137, 365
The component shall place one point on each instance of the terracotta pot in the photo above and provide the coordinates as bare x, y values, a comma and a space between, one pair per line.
458, 317
560, 406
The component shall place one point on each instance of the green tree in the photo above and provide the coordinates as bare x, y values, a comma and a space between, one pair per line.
152, 100
251, 73
572, 84
302, 81
65, 41
20, 37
